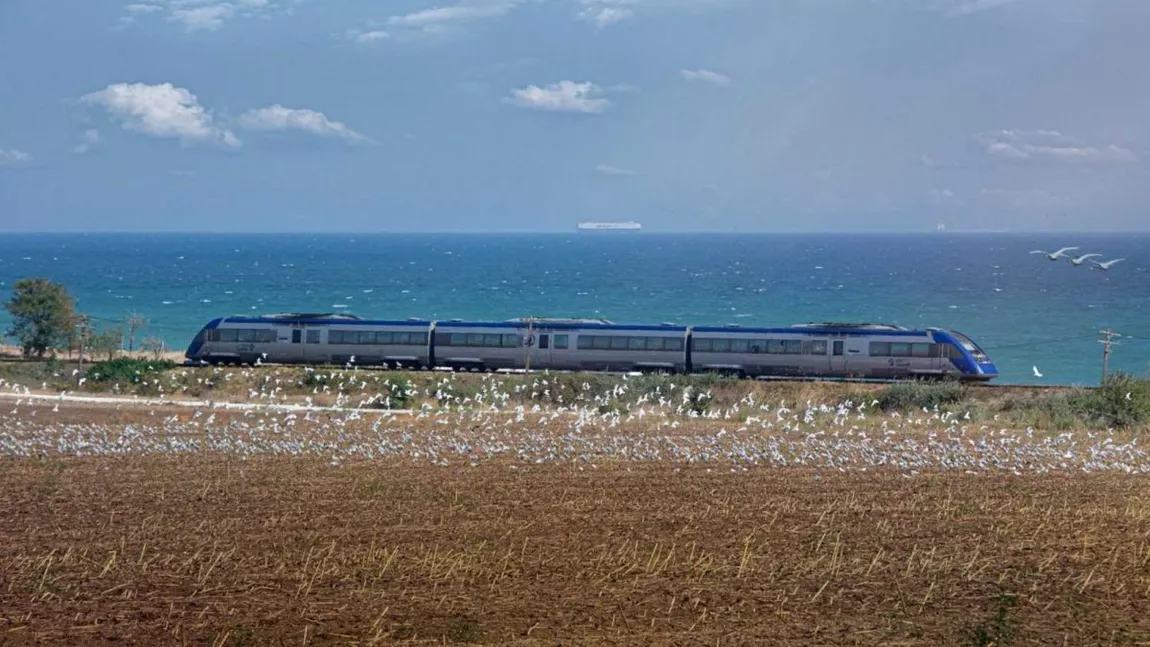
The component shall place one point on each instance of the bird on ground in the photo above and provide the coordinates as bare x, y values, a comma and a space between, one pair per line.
1082, 259
1055, 255
1105, 265
1036, 371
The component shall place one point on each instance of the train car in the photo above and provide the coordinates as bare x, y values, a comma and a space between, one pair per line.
828, 350
305, 338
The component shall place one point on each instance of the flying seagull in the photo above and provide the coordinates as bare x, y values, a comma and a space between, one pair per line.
1055, 255
1082, 259
1106, 265
1036, 372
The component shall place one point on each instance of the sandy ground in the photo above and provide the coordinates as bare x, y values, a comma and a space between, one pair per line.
9, 351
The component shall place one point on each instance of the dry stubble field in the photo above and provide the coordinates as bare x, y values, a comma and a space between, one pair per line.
213, 549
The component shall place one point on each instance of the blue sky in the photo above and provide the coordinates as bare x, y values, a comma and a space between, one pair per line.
530, 115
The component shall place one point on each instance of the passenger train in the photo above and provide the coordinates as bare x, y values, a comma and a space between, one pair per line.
812, 350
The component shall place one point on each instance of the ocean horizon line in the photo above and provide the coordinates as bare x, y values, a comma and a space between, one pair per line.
553, 232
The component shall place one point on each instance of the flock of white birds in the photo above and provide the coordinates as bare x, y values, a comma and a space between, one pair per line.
522, 423
1079, 260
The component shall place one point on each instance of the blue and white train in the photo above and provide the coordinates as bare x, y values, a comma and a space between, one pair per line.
823, 350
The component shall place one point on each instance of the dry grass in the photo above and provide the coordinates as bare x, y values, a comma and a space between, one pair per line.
213, 550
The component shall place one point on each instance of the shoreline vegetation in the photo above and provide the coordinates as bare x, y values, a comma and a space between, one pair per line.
1122, 402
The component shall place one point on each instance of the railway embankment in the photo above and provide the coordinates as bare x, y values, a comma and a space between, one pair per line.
1122, 402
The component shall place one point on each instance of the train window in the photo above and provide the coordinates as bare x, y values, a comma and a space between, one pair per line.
228, 335
654, 343
671, 343
313, 336
699, 345
583, 342
458, 339
740, 345
720, 345
819, 347
922, 350
637, 343
618, 343
474, 339
838, 348
880, 349
776, 346
560, 342
397, 338
380, 337
794, 347
335, 337
899, 349
267, 336
512, 341
601, 342
493, 340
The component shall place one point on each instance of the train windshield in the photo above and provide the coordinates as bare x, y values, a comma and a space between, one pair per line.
971, 347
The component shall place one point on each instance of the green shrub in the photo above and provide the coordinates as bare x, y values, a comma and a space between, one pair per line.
905, 396
128, 370
1122, 401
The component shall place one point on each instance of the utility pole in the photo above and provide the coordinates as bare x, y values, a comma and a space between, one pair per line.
1107, 342
530, 342
82, 324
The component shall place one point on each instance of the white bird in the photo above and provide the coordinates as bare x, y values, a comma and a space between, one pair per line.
1107, 264
1082, 259
1036, 373
1055, 255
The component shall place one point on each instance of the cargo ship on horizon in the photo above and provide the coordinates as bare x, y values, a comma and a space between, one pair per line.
630, 225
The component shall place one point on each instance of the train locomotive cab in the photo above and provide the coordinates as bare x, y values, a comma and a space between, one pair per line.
967, 356
197, 351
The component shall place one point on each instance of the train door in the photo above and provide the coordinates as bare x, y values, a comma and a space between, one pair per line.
838, 357
312, 350
539, 345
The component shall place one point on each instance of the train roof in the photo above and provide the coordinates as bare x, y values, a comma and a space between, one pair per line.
563, 325
821, 330
313, 320
825, 328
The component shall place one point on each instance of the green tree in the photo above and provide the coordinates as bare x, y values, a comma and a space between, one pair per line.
43, 314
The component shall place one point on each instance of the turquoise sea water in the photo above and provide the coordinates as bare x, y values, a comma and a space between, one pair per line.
1023, 309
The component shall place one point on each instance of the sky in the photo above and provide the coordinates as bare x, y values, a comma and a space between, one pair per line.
533, 115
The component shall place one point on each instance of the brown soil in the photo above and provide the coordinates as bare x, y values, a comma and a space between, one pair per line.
214, 550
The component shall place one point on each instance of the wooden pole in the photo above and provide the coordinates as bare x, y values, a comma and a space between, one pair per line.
530, 342
1107, 342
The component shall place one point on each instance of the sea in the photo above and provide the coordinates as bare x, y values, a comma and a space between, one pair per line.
1027, 312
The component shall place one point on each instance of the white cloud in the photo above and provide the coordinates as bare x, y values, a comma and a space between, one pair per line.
201, 15
278, 117
1050, 145
438, 19
706, 76
605, 12
564, 96
207, 18
365, 37
13, 157
955, 8
606, 169
142, 8
161, 110
88, 140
